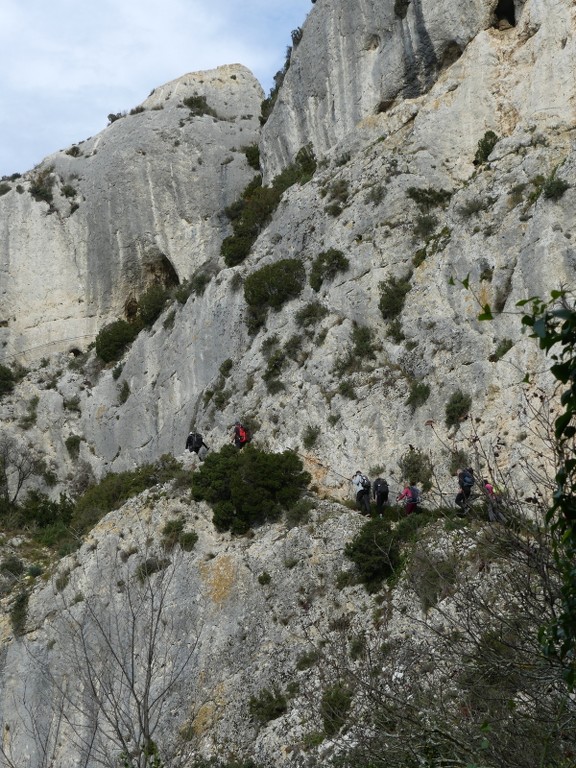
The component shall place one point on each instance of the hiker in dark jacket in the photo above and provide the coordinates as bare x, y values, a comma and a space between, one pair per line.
362, 488
380, 494
195, 443
465, 481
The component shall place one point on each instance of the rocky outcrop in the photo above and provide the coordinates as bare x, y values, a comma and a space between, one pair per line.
359, 59
87, 231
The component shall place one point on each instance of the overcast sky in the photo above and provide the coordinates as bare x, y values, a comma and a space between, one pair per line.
68, 64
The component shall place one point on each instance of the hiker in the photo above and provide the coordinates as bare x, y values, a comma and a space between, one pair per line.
411, 496
465, 481
362, 488
240, 436
195, 444
494, 513
380, 494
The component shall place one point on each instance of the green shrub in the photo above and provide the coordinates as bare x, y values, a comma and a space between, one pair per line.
311, 314
416, 465
375, 553
268, 705
116, 488
68, 191
485, 147
198, 105
346, 389
275, 284
151, 304
393, 294
38, 509
476, 205
124, 392
458, 459
554, 188
264, 578
7, 380
503, 346
252, 153
41, 185
252, 211
424, 225
310, 436
72, 444
248, 487
419, 393
326, 266
429, 198
150, 566
11, 567
457, 408
4, 188
19, 613
299, 514
431, 576
114, 338
335, 706
29, 419
198, 283
308, 659
363, 344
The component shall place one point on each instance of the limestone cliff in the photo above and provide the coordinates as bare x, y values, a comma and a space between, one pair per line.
443, 135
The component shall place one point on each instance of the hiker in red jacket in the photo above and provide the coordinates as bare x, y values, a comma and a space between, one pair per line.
411, 496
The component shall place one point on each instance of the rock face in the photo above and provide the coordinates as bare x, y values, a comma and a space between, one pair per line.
444, 141
354, 61
86, 232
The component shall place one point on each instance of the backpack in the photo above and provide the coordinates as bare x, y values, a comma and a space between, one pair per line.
365, 482
414, 494
195, 441
242, 434
381, 487
467, 479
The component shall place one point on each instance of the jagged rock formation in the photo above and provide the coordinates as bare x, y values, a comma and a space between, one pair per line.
394, 98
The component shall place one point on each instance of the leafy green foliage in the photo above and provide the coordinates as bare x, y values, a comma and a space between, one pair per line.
415, 465
310, 314
503, 346
326, 266
485, 147
310, 436
273, 285
252, 211
419, 393
553, 324
19, 613
268, 705
173, 533
198, 105
41, 185
114, 338
553, 188
252, 153
335, 706
457, 408
248, 487
393, 294
375, 553
429, 198
151, 304
7, 380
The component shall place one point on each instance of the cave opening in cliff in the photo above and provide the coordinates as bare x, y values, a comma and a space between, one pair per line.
505, 12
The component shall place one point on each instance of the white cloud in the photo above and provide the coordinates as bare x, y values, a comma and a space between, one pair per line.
70, 65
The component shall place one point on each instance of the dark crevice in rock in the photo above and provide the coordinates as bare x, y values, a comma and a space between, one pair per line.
505, 12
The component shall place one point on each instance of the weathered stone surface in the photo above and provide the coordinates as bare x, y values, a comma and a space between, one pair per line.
496, 226
140, 203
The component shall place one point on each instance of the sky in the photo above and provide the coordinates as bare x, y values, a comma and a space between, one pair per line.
66, 65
